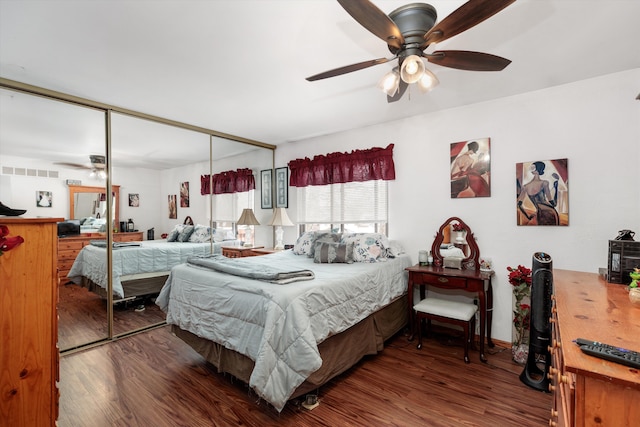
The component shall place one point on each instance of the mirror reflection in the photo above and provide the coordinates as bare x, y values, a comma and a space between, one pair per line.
455, 239
153, 164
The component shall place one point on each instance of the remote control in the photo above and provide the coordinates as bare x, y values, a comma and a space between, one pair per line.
613, 354
582, 341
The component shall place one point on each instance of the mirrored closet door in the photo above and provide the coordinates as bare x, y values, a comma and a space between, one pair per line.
45, 145
119, 180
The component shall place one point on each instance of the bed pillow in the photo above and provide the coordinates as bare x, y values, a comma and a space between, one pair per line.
304, 242
368, 247
186, 232
201, 234
173, 235
332, 252
323, 237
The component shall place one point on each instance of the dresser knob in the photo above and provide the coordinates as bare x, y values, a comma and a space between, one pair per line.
443, 280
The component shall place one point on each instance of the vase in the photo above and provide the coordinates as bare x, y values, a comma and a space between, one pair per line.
634, 296
520, 353
459, 236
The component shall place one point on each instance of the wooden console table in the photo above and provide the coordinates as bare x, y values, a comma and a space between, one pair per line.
451, 278
589, 391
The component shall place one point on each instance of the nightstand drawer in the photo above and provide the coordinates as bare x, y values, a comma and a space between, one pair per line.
439, 280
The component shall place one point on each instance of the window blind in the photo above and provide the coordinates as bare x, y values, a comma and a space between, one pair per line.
351, 202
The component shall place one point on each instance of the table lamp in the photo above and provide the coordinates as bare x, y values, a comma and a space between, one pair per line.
247, 218
279, 219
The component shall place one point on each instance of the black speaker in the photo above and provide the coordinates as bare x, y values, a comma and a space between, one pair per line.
535, 373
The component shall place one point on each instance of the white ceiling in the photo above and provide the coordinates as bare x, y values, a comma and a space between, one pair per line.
239, 66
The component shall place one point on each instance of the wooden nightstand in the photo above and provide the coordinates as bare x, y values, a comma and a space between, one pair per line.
240, 251
266, 251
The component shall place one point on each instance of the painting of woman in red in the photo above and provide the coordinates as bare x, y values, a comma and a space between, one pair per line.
471, 168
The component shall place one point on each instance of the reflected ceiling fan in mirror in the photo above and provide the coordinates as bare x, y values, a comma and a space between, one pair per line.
97, 166
409, 31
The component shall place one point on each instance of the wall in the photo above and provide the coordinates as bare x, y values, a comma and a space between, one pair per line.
594, 123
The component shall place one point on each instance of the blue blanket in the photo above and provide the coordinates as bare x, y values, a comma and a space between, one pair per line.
245, 268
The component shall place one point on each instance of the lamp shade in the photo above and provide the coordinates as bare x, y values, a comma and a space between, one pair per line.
412, 69
247, 218
280, 217
390, 82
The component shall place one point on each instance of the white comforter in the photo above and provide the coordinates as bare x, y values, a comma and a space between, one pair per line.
280, 326
151, 256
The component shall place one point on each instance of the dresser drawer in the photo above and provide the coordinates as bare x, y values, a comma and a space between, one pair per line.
439, 280
74, 245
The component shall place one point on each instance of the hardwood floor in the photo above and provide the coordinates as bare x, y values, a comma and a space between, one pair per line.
83, 316
154, 379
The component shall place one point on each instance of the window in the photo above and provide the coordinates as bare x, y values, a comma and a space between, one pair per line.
227, 208
350, 207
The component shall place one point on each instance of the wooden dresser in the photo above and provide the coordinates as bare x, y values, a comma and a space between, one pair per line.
29, 356
68, 248
589, 391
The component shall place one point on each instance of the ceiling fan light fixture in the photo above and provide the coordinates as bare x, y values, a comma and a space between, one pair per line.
390, 82
428, 81
412, 69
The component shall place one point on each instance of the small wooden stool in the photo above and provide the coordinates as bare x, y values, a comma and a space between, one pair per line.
457, 313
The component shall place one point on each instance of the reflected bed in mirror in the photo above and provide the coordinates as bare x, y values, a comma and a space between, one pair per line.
455, 239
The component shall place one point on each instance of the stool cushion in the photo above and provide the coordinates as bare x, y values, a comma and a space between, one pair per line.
445, 308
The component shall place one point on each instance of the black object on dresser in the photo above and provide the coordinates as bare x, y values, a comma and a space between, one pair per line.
624, 256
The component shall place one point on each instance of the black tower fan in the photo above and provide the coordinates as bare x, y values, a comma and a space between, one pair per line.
539, 359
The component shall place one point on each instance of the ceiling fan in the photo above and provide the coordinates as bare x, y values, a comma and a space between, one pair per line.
409, 31
97, 167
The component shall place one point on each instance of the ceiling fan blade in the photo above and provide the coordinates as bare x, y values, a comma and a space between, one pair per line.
72, 165
402, 88
373, 19
348, 69
466, 60
466, 16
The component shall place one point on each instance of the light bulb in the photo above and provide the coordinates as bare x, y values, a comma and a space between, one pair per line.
390, 82
412, 69
428, 81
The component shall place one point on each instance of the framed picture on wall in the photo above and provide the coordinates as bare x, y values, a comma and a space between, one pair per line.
470, 168
44, 199
173, 206
282, 187
266, 195
184, 194
542, 189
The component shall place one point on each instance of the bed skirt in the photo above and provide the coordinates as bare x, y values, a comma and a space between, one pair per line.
339, 352
132, 288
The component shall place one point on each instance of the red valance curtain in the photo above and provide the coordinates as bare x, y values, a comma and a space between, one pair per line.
236, 181
336, 168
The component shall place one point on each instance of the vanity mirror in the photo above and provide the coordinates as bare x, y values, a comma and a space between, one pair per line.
455, 238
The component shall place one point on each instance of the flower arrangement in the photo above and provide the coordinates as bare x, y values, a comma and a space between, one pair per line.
456, 226
8, 243
520, 279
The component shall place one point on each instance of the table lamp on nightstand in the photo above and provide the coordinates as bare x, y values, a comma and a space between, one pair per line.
279, 219
247, 218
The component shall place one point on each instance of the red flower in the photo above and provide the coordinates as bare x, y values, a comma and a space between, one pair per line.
457, 226
520, 275
8, 243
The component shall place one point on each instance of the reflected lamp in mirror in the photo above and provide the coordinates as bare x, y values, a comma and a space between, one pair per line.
247, 219
280, 219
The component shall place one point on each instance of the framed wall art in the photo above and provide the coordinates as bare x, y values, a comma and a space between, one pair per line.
266, 194
184, 194
134, 200
282, 187
470, 165
542, 189
173, 206
44, 199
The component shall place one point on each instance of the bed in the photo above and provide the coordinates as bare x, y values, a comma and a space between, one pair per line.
285, 340
139, 268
